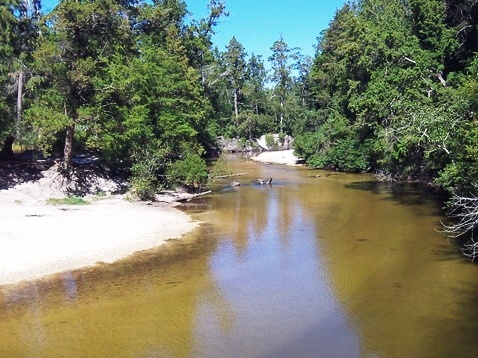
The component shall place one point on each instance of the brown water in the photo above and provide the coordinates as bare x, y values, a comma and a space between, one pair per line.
335, 266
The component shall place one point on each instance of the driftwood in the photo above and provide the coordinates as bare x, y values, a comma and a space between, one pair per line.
230, 175
169, 196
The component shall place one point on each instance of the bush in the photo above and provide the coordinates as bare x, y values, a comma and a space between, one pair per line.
146, 171
335, 145
221, 166
190, 172
271, 142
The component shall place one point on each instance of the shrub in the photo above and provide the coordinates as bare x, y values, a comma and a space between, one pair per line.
189, 172
146, 172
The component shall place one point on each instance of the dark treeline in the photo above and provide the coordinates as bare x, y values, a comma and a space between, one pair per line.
392, 89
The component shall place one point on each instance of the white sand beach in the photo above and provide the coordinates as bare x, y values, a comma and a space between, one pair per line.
286, 157
37, 239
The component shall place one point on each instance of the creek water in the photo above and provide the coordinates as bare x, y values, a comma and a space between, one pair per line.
332, 266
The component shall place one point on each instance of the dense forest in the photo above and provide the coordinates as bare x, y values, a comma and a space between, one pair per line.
392, 89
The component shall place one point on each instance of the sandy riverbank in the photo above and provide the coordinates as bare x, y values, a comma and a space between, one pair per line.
286, 157
37, 239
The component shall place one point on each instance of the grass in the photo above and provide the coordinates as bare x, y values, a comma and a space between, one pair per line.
71, 200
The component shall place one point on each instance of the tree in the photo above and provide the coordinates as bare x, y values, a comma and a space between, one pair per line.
382, 66
163, 125
81, 39
7, 45
256, 77
18, 38
236, 72
198, 38
281, 75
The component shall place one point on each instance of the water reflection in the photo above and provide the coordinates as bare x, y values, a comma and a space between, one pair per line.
279, 299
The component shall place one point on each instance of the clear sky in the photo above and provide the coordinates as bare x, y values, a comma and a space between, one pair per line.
257, 24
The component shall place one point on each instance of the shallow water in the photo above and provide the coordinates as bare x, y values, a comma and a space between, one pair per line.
329, 266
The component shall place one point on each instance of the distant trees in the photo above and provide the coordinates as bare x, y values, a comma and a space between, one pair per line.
281, 77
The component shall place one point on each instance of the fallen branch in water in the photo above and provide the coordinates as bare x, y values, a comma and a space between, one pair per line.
229, 175
168, 196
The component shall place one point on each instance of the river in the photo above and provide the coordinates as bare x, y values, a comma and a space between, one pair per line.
317, 264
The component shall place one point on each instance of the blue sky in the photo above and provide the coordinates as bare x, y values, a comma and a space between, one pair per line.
257, 24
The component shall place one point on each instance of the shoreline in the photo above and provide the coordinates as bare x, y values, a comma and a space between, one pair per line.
38, 240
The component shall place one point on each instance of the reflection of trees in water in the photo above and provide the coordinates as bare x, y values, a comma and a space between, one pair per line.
390, 268
253, 209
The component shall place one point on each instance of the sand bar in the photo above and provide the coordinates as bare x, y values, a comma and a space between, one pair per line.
286, 157
37, 239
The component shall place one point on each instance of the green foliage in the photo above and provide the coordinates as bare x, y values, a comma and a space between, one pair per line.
189, 172
460, 175
334, 145
221, 166
392, 87
71, 200
253, 125
148, 171
236, 71
270, 141
380, 88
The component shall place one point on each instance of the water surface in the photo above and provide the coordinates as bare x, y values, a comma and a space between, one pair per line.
331, 266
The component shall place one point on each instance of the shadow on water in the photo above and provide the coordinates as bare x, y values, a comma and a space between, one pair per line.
420, 195
410, 194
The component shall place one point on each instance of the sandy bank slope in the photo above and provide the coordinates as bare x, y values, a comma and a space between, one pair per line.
278, 157
38, 240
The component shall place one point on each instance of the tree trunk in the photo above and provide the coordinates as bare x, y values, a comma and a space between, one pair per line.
68, 150
281, 124
236, 109
18, 122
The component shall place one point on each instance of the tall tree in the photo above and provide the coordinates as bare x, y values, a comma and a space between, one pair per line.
199, 38
282, 65
235, 60
81, 39
18, 36
255, 84
7, 51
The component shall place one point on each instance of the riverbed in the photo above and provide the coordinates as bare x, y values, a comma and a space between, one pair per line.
317, 264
